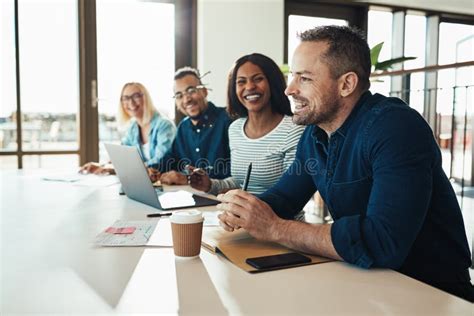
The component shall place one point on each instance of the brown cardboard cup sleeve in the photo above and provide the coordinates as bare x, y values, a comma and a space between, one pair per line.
186, 227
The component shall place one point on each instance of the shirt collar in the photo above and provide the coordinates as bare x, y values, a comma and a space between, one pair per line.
154, 118
208, 117
319, 135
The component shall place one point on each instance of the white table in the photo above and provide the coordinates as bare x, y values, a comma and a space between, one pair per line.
50, 265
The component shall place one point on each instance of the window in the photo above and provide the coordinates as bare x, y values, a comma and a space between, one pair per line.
415, 46
455, 97
380, 30
49, 75
135, 42
300, 23
7, 82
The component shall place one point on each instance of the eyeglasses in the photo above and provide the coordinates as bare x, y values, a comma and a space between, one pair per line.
189, 91
135, 97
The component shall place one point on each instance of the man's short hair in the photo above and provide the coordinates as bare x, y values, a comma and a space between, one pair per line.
348, 51
186, 71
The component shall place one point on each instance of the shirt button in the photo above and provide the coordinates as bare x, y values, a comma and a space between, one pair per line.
210, 125
198, 130
197, 150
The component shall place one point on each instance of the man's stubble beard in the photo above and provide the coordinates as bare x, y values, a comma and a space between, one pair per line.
326, 112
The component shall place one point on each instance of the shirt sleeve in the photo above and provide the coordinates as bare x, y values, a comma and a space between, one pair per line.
218, 186
170, 159
163, 136
294, 189
401, 159
129, 138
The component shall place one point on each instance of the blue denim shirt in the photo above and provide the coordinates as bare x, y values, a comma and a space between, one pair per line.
202, 145
161, 136
380, 174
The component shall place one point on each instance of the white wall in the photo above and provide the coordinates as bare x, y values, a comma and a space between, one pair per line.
229, 29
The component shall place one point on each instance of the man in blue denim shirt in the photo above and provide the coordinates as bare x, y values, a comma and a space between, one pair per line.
202, 138
377, 166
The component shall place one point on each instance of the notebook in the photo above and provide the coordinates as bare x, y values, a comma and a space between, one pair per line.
238, 246
137, 185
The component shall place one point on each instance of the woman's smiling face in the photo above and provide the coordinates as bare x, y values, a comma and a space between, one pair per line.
252, 87
133, 101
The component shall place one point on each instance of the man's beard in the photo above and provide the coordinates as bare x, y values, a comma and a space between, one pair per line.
326, 113
196, 117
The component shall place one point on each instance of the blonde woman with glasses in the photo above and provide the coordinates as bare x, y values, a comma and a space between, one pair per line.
147, 129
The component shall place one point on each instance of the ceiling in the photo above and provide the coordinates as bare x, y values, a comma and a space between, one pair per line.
451, 6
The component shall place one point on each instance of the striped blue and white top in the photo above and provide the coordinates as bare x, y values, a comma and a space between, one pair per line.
270, 156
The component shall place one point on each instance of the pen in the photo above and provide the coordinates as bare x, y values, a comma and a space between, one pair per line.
197, 170
247, 177
159, 214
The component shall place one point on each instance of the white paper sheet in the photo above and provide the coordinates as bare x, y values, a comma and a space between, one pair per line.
90, 180
140, 237
156, 233
152, 233
62, 177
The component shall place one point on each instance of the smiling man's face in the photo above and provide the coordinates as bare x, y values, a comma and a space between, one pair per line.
313, 90
191, 104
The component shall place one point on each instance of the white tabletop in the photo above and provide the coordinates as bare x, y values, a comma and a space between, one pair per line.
49, 264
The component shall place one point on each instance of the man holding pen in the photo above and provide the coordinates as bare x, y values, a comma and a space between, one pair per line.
375, 163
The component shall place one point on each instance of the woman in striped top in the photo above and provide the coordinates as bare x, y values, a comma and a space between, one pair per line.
263, 132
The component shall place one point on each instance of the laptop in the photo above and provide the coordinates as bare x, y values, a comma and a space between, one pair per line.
137, 185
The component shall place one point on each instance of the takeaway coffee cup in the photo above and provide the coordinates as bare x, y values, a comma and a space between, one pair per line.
186, 227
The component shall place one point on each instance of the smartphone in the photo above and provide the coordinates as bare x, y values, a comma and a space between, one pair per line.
275, 261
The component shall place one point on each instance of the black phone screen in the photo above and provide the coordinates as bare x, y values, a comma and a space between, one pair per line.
282, 260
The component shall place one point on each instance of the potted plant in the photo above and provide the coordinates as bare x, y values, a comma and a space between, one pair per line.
379, 66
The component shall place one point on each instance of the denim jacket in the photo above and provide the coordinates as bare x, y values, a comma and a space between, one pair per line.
161, 136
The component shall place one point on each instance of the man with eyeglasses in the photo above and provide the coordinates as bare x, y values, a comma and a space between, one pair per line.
202, 138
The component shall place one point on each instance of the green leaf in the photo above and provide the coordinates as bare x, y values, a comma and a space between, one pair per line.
387, 64
285, 69
375, 52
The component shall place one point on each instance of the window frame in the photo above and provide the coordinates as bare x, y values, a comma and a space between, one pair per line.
355, 14
88, 117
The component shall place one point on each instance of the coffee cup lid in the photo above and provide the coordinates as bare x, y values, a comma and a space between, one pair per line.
187, 217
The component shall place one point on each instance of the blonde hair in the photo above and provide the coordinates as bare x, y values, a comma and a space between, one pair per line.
148, 111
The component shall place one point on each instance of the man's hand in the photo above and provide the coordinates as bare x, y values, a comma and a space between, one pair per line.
242, 209
153, 174
96, 168
199, 179
173, 177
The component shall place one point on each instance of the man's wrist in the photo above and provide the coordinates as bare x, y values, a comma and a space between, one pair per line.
213, 187
208, 189
278, 229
